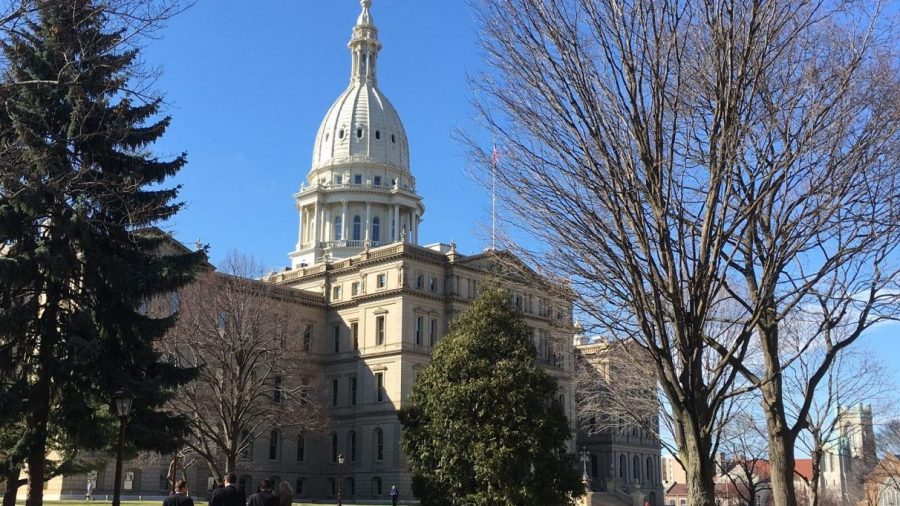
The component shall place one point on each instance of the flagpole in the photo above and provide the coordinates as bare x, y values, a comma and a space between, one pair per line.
494, 198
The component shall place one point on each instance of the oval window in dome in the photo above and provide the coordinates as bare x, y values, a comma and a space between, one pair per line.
359, 133
377, 134
341, 134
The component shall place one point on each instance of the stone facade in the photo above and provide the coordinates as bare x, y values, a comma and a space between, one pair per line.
624, 462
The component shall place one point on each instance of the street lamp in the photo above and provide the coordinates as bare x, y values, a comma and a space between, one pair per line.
122, 400
340, 477
584, 460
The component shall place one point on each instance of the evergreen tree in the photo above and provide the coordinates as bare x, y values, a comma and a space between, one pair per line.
484, 426
80, 192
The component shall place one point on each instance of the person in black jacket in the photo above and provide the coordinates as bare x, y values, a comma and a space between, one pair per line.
229, 495
180, 497
264, 497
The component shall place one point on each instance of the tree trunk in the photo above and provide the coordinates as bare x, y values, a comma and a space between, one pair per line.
37, 452
13, 482
814, 477
781, 446
699, 469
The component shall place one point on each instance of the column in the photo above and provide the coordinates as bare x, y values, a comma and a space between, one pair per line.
300, 231
368, 219
396, 221
343, 220
416, 229
315, 225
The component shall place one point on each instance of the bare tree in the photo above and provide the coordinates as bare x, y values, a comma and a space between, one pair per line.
669, 155
745, 462
256, 373
856, 377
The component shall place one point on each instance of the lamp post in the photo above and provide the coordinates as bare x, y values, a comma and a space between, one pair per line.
122, 400
584, 460
340, 478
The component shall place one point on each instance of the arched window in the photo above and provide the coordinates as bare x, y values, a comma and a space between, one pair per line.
300, 489
341, 134
376, 487
379, 445
359, 133
622, 463
244, 483
351, 445
636, 467
376, 229
377, 134
357, 225
349, 487
247, 452
338, 228
334, 447
301, 448
273, 445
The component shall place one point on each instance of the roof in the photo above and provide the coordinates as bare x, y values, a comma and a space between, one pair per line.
362, 126
803, 468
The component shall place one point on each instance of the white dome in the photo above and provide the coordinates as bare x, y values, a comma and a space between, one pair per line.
361, 126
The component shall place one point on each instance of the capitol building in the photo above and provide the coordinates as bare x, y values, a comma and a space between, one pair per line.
375, 302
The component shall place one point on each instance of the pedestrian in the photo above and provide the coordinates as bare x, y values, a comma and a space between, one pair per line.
89, 492
229, 495
395, 495
285, 493
180, 497
264, 497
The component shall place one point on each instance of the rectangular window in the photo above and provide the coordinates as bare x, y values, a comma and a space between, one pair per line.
334, 392
338, 179
381, 281
432, 284
307, 337
277, 391
432, 332
354, 332
418, 330
304, 390
379, 387
420, 281
336, 332
376, 180
336, 292
353, 391
379, 330
354, 289
357, 179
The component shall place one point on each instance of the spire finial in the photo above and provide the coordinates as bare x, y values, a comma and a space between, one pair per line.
364, 46
365, 18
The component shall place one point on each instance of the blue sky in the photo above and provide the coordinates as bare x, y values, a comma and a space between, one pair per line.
249, 83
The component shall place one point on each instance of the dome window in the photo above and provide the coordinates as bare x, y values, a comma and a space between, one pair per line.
377, 134
326, 137
359, 133
341, 134
393, 139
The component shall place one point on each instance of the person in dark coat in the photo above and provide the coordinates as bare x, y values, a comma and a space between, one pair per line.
395, 495
180, 497
264, 497
229, 495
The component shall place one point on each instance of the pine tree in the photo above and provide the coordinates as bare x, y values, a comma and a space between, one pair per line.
484, 426
80, 192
